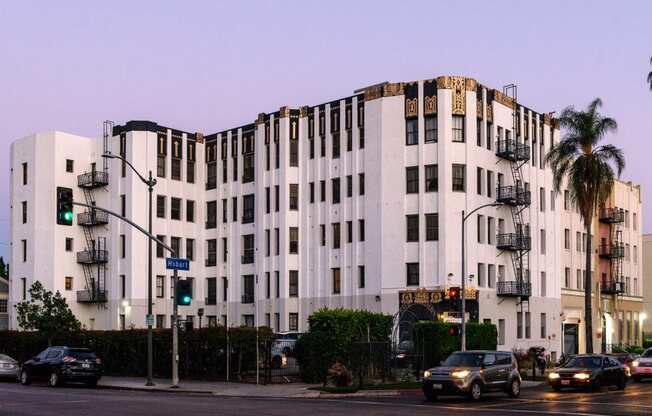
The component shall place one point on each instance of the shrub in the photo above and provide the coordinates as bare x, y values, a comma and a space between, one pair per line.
339, 375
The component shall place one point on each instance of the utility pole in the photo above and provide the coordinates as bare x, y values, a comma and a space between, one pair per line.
150, 317
175, 332
463, 295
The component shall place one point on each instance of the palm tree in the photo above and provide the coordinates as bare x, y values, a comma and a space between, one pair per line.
586, 166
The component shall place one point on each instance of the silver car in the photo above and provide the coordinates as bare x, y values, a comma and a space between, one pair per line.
8, 367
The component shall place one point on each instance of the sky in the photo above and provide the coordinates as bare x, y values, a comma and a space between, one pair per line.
211, 65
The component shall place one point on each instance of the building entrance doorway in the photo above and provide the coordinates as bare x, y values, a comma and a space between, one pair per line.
571, 341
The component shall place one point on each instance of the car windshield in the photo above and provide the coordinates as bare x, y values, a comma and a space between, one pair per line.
82, 354
647, 353
6, 358
584, 362
464, 360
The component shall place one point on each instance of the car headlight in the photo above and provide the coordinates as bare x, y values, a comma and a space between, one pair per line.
582, 376
635, 363
460, 374
553, 376
427, 374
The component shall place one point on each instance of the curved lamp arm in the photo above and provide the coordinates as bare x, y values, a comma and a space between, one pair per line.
145, 181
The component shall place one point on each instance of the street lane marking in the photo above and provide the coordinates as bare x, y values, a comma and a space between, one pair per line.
74, 401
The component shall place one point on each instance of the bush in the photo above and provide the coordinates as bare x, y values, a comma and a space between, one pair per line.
332, 336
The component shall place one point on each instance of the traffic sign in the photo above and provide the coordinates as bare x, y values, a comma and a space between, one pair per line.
172, 263
149, 320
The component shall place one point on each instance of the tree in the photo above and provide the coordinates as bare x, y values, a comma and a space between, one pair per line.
586, 166
46, 312
3, 268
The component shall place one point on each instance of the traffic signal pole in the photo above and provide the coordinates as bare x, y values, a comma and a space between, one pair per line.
175, 332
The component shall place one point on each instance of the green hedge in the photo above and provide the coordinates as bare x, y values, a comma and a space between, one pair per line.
433, 342
124, 353
334, 335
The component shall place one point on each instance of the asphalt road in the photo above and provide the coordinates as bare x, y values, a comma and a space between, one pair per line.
17, 400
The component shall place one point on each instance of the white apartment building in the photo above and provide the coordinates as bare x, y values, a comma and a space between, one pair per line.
354, 203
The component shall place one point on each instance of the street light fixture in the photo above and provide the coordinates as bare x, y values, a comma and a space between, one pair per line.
463, 277
150, 182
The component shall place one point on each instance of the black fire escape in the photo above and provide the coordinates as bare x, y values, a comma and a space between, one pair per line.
517, 198
613, 250
94, 258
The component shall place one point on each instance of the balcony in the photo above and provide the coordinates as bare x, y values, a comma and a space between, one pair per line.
248, 298
92, 296
611, 215
512, 150
513, 241
92, 217
514, 289
612, 251
93, 179
611, 287
92, 256
512, 195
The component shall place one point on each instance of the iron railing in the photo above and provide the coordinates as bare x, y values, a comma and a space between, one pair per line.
611, 287
92, 296
93, 179
515, 288
512, 150
513, 241
93, 217
612, 251
92, 256
513, 195
611, 215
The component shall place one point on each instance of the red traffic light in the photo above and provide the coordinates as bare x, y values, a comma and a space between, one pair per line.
454, 330
453, 292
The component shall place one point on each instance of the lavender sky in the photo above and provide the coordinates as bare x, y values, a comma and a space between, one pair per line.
207, 66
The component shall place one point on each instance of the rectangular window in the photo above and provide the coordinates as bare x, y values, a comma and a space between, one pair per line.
234, 209
431, 129
349, 231
481, 230
294, 240
123, 205
160, 251
432, 179
268, 243
225, 290
361, 230
277, 280
293, 321
412, 222
479, 177
361, 183
459, 178
335, 185
542, 240
277, 197
336, 235
24, 211
69, 245
311, 185
322, 234
248, 209
491, 230
175, 244
552, 200
190, 211
349, 186
294, 196
361, 134
528, 326
277, 242
24, 173
411, 131
322, 146
176, 169
361, 280
432, 227
160, 166
23, 244
294, 152
247, 249
123, 249
412, 180
322, 191
542, 199
294, 283
412, 274
481, 275
211, 213
267, 200
567, 277
248, 168
68, 283
478, 132
543, 284
160, 286
501, 332
268, 286
336, 281
491, 275
123, 286
190, 249
175, 208
336, 146
458, 128
489, 134
190, 171
566, 200
519, 325
566, 238
490, 183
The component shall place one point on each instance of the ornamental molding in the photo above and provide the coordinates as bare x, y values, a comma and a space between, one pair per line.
303, 111
411, 107
261, 118
479, 109
490, 112
459, 86
430, 105
199, 137
504, 99
284, 111
391, 90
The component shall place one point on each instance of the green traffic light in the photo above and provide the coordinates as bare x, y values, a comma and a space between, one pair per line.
68, 216
186, 299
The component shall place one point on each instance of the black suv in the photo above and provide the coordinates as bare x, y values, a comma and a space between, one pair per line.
472, 373
61, 364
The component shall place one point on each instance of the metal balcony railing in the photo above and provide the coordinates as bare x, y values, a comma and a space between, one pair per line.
248, 298
93, 179
612, 251
513, 241
611, 287
92, 217
512, 150
611, 215
515, 288
92, 256
513, 195
92, 296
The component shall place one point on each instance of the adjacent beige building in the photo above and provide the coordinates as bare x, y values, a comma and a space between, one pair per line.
647, 278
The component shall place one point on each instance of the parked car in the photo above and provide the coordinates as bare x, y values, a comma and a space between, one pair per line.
283, 347
642, 367
402, 354
59, 365
626, 359
8, 367
589, 371
473, 373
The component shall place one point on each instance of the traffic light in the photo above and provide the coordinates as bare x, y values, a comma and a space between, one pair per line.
453, 293
184, 292
454, 330
64, 206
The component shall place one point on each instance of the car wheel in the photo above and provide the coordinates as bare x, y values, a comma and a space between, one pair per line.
622, 383
514, 388
475, 392
637, 379
54, 379
25, 379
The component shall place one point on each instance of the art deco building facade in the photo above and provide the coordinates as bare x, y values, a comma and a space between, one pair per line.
354, 203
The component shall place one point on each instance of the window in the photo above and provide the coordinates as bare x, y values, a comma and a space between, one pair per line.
322, 146
24, 210
322, 234
190, 249
123, 322
411, 131
542, 241
277, 280
123, 205
478, 132
566, 238
293, 321
412, 180
294, 150
322, 191
190, 211
412, 274
277, 243
68, 283
294, 283
542, 199
361, 281
70, 166
23, 283
160, 206
160, 166
123, 286
459, 178
24, 173
294, 196
336, 281
335, 184
23, 244
247, 249
481, 230
160, 251
491, 275
211, 213
234, 209
311, 186
481, 275
160, 286
489, 135
190, 171
268, 286
225, 289
491, 230
567, 278
566, 200
361, 183
458, 128
267, 201
528, 330
211, 175
123, 249
361, 230
501, 332
552, 200
578, 278
176, 169
69, 242
479, 176
349, 231
349, 186
543, 284
578, 241
634, 221
248, 209
431, 129
248, 288
519, 325
336, 235
294, 240
175, 208
277, 197
160, 321
432, 180
175, 244
336, 146
412, 222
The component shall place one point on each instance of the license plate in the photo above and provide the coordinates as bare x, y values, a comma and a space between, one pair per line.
437, 386
566, 382
86, 365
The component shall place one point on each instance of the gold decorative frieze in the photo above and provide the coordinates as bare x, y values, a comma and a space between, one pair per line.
373, 93
411, 107
458, 85
303, 111
391, 90
284, 111
547, 118
430, 105
471, 84
199, 137
261, 118
490, 112
504, 99
479, 109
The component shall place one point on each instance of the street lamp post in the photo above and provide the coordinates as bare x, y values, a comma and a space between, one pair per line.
463, 277
150, 182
